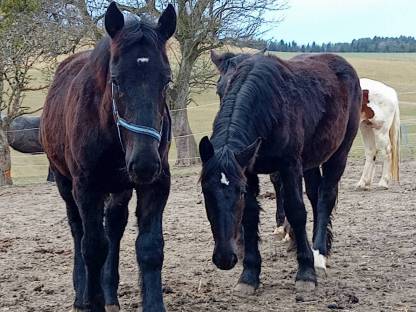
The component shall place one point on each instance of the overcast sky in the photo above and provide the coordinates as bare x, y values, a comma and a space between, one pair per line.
344, 20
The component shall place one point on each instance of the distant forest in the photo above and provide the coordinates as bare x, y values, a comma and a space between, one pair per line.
376, 44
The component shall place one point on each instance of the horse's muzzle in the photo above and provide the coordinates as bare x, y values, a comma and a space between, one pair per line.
144, 172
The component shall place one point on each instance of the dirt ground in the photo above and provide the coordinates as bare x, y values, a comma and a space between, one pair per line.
373, 266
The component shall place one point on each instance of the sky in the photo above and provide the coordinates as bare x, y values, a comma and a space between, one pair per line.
343, 20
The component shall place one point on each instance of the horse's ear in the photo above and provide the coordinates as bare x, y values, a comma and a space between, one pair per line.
206, 150
216, 59
114, 20
167, 22
248, 155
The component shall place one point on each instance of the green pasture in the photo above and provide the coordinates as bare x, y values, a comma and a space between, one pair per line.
395, 69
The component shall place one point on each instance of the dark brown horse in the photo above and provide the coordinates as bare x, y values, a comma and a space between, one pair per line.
106, 130
280, 116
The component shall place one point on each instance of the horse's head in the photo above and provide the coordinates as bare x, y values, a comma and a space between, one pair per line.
140, 74
226, 64
224, 186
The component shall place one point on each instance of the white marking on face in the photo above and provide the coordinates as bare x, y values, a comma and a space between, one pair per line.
224, 179
143, 60
319, 260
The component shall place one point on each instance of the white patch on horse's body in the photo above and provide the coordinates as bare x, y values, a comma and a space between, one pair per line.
143, 60
319, 260
224, 179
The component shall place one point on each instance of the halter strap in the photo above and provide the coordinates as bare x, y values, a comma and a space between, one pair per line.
121, 122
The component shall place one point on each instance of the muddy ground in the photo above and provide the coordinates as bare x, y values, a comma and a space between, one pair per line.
373, 266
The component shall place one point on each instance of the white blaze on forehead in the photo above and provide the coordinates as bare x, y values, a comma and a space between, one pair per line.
143, 60
224, 179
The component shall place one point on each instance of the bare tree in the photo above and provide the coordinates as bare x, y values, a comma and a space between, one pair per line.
31, 33
202, 25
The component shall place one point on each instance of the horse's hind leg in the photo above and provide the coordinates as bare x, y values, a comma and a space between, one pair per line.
312, 181
291, 174
384, 150
116, 215
332, 171
65, 189
250, 278
367, 134
280, 212
151, 201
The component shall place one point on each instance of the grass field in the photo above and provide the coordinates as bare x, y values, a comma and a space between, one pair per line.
395, 69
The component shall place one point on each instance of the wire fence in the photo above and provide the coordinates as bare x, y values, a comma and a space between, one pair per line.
408, 145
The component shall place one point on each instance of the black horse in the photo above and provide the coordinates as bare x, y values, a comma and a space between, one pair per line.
106, 131
286, 116
226, 64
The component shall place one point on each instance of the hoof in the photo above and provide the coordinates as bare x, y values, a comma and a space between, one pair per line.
280, 232
361, 186
243, 290
383, 185
319, 263
112, 308
305, 286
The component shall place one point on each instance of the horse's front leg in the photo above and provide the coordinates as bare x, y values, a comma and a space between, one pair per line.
151, 201
75, 223
94, 244
291, 174
116, 215
250, 278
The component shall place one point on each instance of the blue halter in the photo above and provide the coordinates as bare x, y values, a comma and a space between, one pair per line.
121, 122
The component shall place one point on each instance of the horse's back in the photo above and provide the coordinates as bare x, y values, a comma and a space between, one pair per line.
53, 117
331, 110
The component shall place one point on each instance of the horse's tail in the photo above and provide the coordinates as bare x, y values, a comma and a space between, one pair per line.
394, 134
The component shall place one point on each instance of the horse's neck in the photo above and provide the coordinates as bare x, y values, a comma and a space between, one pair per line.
235, 134
99, 72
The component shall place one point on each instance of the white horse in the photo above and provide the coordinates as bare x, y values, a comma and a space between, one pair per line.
380, 130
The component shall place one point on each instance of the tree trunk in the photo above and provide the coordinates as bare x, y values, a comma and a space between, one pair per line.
5, 161
186, 148
177, 100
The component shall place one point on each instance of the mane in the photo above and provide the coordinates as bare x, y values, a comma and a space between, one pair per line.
228, 57
253, 103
